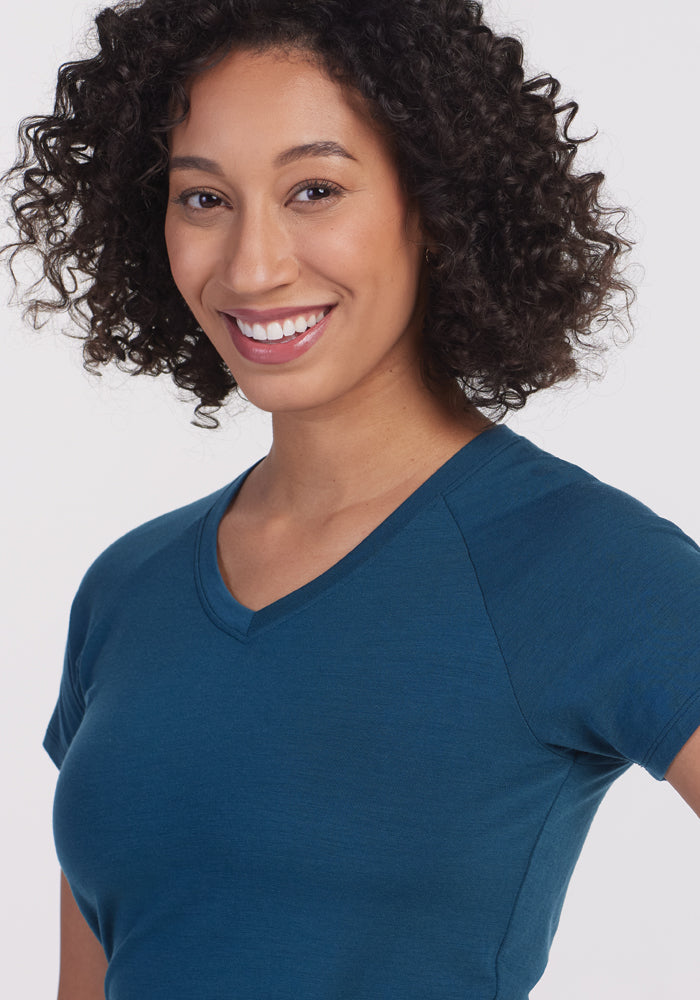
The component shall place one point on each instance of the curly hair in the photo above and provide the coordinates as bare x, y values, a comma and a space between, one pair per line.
527, 267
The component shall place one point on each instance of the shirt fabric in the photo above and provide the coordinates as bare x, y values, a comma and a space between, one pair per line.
376, 787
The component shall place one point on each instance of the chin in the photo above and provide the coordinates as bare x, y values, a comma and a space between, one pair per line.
274, 399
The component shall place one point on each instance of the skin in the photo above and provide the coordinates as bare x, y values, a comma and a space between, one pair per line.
684, 772
83, 962
268, 244
355, 430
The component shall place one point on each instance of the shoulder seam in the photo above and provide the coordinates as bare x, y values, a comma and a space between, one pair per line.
540, 742
472, 471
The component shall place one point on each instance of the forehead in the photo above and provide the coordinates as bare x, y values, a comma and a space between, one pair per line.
271, 99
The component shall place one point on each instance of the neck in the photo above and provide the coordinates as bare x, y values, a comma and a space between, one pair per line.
326, 461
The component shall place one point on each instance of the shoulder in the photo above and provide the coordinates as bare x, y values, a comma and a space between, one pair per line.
594, 599
154, 555
530, 512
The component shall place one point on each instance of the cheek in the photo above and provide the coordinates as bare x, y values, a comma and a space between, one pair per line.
175, 247
368, 251
188, 261
391, 261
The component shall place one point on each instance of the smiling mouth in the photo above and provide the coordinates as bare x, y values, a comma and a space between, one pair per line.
283, 329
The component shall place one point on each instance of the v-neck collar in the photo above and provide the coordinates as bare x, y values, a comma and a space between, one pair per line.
233, 617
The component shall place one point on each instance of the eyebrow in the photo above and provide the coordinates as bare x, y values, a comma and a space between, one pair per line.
326, 148
195, 163
320, 148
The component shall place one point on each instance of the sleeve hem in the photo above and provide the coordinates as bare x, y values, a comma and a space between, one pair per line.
672, 739
54, 748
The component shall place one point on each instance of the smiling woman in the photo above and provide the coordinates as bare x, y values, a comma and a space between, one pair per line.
524, 258
256, 240
340, 729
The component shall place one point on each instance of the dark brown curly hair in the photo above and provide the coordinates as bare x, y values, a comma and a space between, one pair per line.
527, 268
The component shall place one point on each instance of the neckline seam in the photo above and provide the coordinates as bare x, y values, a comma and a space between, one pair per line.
366, 550
207, 606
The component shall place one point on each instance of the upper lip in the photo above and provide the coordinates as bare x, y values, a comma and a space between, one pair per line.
270, 315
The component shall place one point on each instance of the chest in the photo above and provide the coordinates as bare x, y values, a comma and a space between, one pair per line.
356, 756
357, 736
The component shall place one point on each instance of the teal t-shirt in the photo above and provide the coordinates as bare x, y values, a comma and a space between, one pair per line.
377, 787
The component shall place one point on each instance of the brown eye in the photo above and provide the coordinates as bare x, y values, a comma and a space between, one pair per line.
198, 200
206, 200
314, 194
315, 191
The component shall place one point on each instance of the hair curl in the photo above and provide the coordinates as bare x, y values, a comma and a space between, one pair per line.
527, 268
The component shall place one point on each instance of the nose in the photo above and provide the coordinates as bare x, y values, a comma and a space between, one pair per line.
260, 254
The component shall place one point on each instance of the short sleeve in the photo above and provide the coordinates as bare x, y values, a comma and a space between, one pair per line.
108, 582
654, 707
67, 714
596, 602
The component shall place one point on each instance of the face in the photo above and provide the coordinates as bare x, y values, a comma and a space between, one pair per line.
289, 235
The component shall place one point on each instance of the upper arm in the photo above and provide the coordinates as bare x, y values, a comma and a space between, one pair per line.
83, 961
684, 772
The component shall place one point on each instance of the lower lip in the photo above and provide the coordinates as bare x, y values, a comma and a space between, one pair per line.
275, 352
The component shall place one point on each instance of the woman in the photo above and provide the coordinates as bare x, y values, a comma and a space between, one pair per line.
340, 729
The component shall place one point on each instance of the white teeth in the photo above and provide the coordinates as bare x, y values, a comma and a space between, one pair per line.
276, 330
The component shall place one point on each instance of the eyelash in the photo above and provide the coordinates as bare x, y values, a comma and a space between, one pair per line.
317, 184
309, 185
182, 199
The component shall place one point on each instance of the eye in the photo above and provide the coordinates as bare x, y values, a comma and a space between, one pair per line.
314, 191
198, 200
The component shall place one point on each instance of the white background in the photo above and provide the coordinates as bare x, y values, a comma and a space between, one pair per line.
85, 459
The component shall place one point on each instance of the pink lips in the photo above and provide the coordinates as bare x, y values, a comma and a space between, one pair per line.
273, 352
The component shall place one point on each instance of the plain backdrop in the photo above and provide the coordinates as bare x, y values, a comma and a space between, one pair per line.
85, 459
